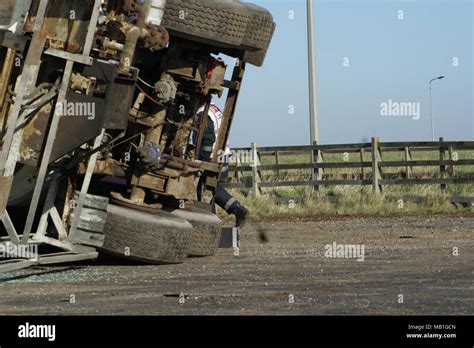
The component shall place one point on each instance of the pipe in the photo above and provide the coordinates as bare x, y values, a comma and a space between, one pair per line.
129, 50
143, 12
112, 45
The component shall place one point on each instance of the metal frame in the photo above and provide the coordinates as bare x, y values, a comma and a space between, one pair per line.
230, 106
9, 158
68, 239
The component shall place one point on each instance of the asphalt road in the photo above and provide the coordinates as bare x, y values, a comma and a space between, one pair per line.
409, 266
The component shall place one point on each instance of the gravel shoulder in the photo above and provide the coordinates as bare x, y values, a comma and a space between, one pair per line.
282, 269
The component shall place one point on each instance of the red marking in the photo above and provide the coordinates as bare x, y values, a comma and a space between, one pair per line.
215, 108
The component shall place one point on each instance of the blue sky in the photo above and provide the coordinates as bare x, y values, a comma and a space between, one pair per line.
389, 59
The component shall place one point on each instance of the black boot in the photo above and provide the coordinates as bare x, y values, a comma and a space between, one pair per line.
225, 200
240, 212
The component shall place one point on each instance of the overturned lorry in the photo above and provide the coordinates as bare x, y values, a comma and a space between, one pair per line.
99, 125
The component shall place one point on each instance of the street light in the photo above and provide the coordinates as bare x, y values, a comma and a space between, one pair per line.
431, 105
313, 90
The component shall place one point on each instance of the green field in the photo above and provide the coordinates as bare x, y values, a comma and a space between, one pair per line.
294, 202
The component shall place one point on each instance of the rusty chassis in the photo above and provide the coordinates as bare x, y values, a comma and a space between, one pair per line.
134, 150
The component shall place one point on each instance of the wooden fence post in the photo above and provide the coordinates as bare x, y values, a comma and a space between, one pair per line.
362, 155
451, 171
442, 167
277, 161
316, 173
255, 174
239, 175
409, 169
376, 169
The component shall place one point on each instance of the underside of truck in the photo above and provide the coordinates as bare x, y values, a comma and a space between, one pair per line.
100, 132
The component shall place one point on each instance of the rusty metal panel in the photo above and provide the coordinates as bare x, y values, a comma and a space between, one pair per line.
6, 12
110, 112
151, 181
4, 81
66, 32
119, 101
34, 136
74, 130
5, 187
66, 23
13, 14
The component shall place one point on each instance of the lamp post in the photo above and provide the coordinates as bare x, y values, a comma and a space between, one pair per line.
313, 92
431, 105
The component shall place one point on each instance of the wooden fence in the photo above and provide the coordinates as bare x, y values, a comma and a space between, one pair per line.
249, 168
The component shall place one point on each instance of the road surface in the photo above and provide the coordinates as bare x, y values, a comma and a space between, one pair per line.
412, 265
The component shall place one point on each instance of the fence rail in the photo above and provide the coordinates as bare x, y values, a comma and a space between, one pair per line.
372, 166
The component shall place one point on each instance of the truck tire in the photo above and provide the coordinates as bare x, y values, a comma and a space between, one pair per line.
220, 23
153, 238
260, 29
207, 231
259, 34
256, 58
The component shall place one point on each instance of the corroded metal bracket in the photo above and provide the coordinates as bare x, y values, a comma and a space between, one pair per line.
10, 156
